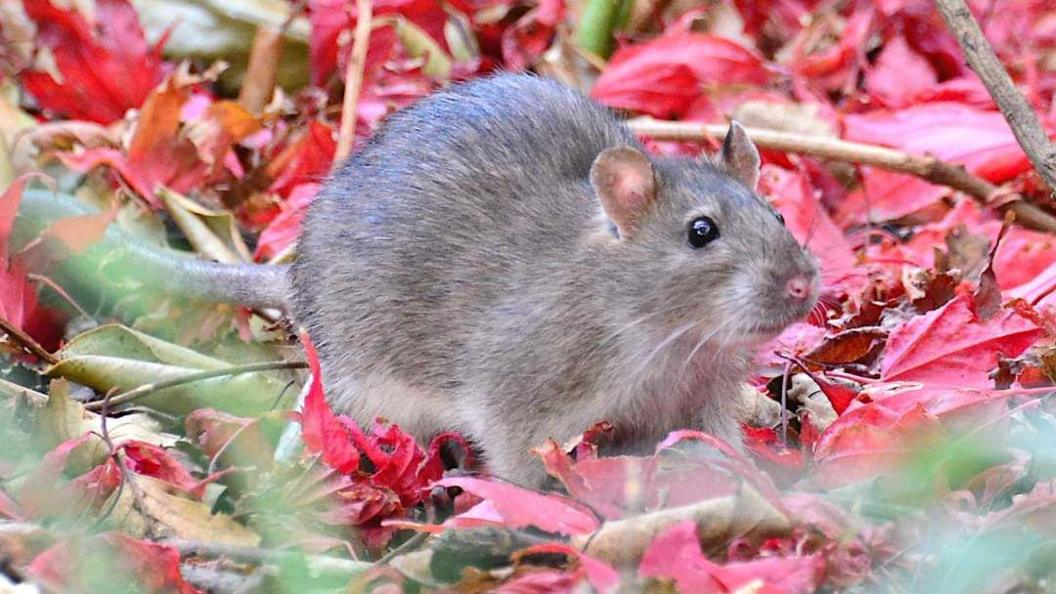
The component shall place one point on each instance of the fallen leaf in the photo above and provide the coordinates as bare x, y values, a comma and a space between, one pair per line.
676, 554
665, 76
97, 563
180, 517
105, 67
950, 346
516, 507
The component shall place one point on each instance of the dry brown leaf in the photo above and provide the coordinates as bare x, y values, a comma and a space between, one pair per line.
623, 542
180, 517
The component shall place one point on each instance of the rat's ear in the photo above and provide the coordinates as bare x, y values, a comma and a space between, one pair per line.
625, 184
739, 157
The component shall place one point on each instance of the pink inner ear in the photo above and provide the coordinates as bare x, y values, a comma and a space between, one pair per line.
631, 187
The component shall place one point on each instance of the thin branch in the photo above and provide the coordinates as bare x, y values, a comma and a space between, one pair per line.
354, 80
262, 71
258, 556
407, 546
1020, 115
146, 389
39, 278
26, 342
927, 168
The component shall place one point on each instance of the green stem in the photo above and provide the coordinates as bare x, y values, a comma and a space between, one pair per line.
600, 19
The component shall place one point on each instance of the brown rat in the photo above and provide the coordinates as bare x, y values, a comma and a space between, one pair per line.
503, 259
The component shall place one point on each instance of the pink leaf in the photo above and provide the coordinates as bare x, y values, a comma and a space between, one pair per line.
949, 346
518, 507
106, 67
676, 554
899, 75
663, 77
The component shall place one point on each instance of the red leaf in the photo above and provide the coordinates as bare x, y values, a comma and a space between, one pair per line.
44, 492
171, 145
899, 75
839, 395
305, 161
284, 229
660, 480
516, 507
676, 554
153, 461
979, 140
949, 346
868, 440
96, 564
329, 18
764, 443
106, 66
525, 41
18, 298
831, 67
324, 432
663, 77
400, 466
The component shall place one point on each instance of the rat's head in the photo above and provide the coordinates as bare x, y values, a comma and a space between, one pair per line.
695, 246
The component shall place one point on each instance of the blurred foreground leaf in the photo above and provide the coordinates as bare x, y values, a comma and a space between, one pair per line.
115, 356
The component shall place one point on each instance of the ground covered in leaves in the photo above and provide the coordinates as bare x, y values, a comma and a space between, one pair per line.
902, 440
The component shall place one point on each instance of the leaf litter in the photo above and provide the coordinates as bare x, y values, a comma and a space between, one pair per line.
908, 443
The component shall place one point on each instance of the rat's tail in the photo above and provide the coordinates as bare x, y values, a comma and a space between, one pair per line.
252, 285
119, 260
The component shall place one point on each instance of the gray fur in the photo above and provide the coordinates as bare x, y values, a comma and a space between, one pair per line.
458, 273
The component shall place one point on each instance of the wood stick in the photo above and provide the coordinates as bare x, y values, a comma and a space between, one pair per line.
26, 342
258, 85
144, 390
927, 168
354, 80
1019, 114
317, 564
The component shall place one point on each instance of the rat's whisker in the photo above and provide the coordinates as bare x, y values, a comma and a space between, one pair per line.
675, 335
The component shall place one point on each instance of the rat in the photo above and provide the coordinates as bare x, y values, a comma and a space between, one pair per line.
504, 259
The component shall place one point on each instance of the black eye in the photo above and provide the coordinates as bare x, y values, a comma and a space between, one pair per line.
780, 217
702, 231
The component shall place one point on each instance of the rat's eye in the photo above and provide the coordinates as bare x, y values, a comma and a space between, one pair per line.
702, 231
780, 217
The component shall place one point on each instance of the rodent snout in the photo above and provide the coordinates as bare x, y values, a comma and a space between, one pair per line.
798, 288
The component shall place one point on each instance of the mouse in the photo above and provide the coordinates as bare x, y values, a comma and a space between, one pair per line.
505, 259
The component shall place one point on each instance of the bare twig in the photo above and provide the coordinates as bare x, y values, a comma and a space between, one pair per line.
317, 563
144, 390
407, 546
354, 80
39, 278
258, 85
126, 475
925, 167
26, 342
1020, 115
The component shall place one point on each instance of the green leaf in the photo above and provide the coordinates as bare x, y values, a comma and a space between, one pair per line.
116, 357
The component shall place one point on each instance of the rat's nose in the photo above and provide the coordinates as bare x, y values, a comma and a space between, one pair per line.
798, 288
